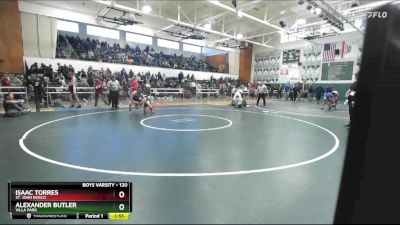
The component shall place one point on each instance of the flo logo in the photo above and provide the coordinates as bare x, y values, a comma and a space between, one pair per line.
380, 15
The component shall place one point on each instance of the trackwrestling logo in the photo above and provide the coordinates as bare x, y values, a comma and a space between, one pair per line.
380, 15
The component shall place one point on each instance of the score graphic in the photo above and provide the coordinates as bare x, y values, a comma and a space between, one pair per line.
65, 200
291, 56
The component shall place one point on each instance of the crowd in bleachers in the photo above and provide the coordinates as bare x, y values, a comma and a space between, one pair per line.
46, 76
94, 50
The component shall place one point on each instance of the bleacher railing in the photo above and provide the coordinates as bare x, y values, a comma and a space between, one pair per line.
201, 91
166, 91
52, 90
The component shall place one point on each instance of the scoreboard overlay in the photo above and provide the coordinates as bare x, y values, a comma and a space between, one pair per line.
70, 200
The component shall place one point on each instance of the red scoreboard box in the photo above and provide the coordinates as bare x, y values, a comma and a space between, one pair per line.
70, 200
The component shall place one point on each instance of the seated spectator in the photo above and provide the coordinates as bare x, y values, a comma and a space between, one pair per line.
5, 80
15, 82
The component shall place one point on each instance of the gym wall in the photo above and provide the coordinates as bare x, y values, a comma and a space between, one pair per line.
11, 50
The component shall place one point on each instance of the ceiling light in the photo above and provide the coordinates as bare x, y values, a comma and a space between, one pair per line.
317, 10
240, 14
207, 26
147, 9
354, 4
282, 12
239, 36
301, 21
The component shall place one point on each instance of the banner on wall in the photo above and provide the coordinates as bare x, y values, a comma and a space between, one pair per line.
289, 73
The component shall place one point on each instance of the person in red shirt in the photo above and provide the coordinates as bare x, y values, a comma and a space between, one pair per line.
99, 88
134, 84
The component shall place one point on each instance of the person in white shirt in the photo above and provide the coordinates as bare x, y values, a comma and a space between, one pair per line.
114, 87
262, 90
237, 98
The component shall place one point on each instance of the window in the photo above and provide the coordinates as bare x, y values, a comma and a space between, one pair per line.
167, 44
191, 48
137, 29
67, 26
139, 38
102, 32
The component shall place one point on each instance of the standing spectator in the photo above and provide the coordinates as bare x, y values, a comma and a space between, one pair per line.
99, 88
310, 93
49, 72
81, 75
299, 93
180, 77
65, 71
60, 68
279, 96
351, 99
287, 90
262, 90
114, 88
295, 91
318, 93
71, 69
134, 84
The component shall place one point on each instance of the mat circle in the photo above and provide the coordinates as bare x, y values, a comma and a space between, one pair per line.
229, 123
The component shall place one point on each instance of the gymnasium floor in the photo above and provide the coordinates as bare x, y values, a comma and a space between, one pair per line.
189, 163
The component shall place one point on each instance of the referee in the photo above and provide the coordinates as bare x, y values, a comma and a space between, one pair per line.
262, 91
114, 87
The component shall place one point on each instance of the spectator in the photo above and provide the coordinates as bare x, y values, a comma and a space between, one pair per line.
180, 77
318, 93
287, 90
295, 91
262, 91
351, 99
5, 80
99, 88
134, 84
310, 93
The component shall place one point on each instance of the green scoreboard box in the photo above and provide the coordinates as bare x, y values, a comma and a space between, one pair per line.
337, 70
291, 56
